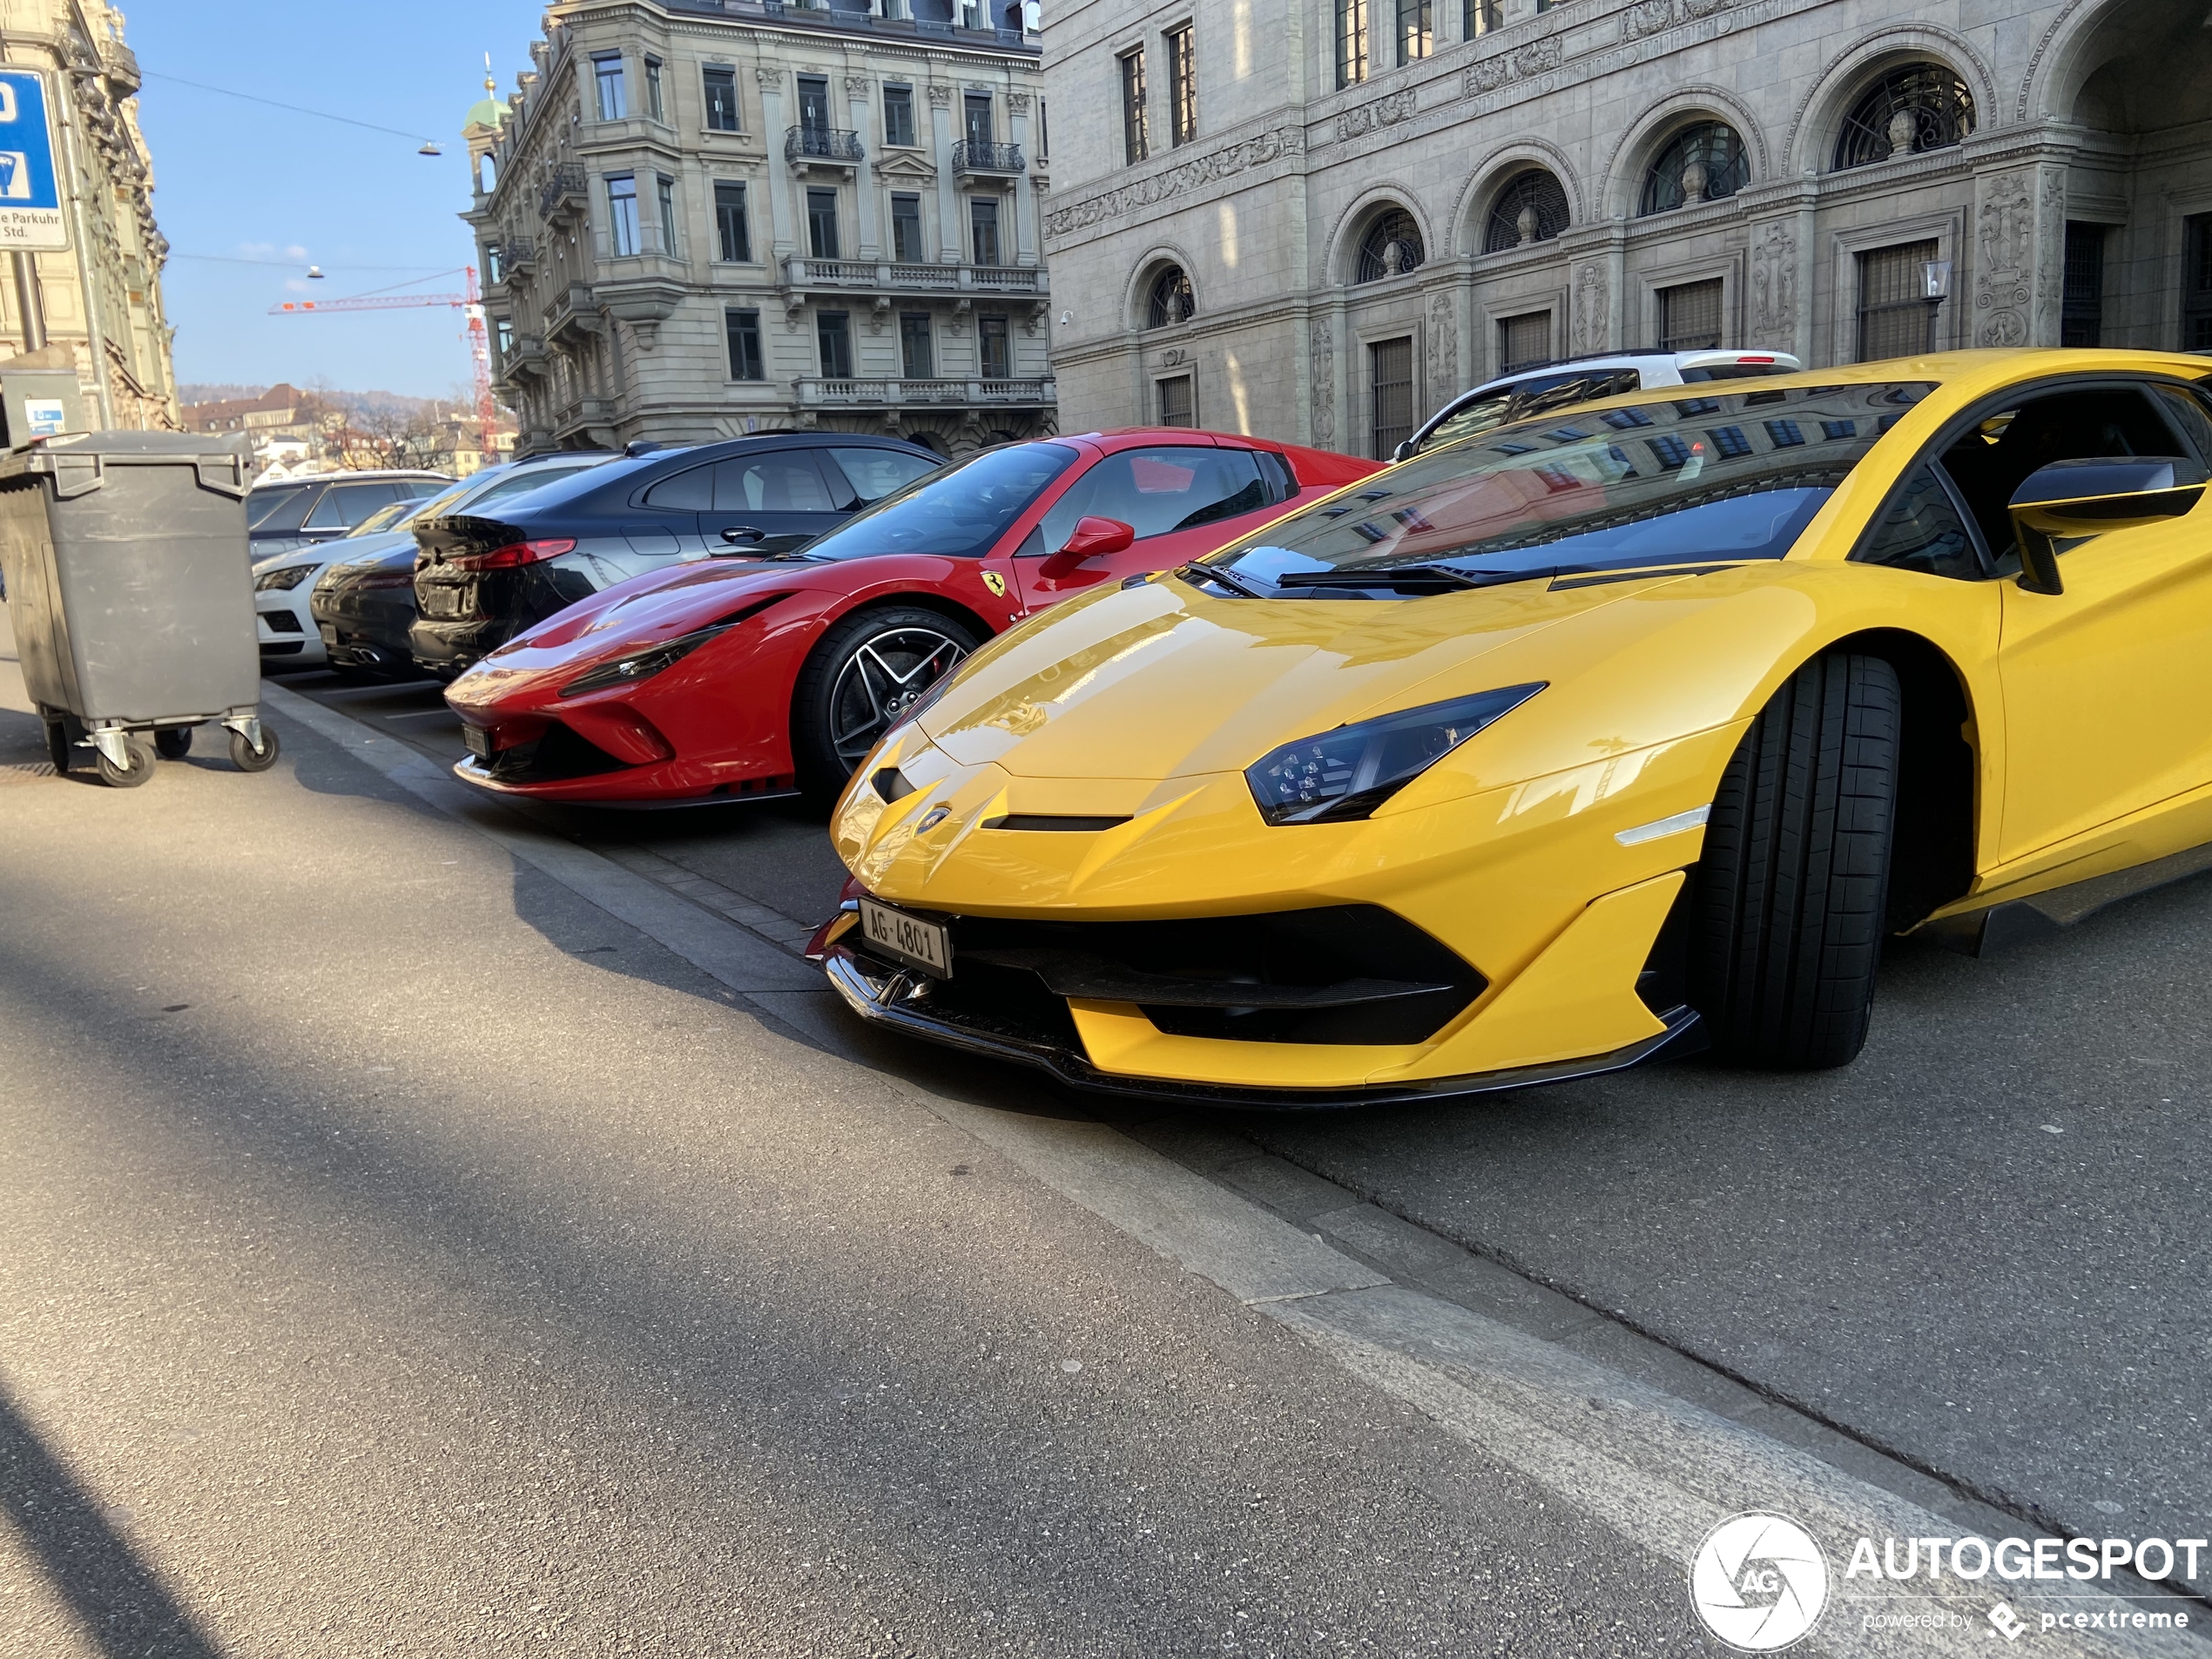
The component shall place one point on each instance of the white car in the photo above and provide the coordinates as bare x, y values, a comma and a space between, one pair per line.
283, 581
1554, 385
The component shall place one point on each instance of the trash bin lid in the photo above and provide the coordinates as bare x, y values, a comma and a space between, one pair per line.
85, 457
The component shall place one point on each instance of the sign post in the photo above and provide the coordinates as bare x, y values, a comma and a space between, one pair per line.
30, 200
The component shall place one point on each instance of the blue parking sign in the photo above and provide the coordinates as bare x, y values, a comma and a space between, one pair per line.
30, 202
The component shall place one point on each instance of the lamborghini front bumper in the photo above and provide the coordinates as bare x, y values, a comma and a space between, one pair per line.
901, 1000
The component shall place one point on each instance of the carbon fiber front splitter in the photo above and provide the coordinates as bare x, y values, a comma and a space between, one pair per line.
898, 1001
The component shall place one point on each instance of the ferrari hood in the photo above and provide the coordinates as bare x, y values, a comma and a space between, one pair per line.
1161, 681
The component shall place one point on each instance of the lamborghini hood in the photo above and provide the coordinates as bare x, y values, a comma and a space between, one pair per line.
1162, 681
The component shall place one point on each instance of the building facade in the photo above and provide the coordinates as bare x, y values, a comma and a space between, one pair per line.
97, 303
698, 220
1318, 219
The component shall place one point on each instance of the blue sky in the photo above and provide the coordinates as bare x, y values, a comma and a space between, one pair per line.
238, 181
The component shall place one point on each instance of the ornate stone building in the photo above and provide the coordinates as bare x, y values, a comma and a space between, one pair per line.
1318, 219
700, 219
98, 303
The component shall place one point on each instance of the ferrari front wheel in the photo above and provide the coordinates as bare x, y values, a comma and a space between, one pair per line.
1788, 897
860, 680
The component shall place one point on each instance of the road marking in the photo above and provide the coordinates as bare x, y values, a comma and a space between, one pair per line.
1656, 1470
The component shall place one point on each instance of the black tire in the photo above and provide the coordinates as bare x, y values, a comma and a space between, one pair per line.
140, 754
172, 742
60, 745
1787, 905
246, 758
857, 682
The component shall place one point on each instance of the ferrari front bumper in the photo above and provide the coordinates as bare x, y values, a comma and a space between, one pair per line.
898, 1001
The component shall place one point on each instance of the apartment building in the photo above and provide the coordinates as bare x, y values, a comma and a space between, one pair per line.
699, 218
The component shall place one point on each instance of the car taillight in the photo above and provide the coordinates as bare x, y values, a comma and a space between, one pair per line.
515, 553
1755, 360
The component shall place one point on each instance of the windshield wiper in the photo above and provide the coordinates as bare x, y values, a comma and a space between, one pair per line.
1215, 573
1407, 575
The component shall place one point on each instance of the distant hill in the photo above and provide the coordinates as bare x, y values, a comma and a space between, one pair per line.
352, 402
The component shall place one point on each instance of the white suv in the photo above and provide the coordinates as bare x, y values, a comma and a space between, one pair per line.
1554, 385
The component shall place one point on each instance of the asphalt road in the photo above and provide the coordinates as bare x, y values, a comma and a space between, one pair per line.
406, 1255
1983, 1248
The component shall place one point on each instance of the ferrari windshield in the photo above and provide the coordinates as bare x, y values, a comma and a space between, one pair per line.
1687, 480
959, 510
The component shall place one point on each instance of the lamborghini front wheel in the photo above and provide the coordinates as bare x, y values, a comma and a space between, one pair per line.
1790, 894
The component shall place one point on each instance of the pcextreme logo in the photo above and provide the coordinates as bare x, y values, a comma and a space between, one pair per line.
1759, 1582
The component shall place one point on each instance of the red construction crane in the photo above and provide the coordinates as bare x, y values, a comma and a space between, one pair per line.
470, 301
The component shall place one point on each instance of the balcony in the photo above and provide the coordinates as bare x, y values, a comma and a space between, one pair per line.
518, 258
831, 144
573, 310
816, 393
887, 277
980, 155
525, 358
562, 192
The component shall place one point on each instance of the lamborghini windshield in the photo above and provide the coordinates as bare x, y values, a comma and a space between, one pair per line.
1691, 480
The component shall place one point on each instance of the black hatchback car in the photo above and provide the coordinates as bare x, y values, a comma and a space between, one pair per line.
480, 579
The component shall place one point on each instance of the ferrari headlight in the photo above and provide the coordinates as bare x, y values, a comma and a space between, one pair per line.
1348, 772
285, 576
644, 663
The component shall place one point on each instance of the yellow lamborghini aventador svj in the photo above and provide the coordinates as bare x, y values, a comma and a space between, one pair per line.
1632, 727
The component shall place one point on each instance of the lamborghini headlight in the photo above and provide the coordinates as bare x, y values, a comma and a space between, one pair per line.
1348, 772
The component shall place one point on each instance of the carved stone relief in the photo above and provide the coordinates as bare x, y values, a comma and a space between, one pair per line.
941, 97
1774, 284
1322, 338
2004, 233
1646, 17
1018, 102
1221, 164
1443, 342
1523, 63
1382, 112
1590, 307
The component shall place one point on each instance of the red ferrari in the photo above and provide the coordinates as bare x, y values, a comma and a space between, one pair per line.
738, 677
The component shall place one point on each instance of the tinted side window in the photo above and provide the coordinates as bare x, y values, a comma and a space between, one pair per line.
783, 481
691, 491
875, 473
1923, 531
2188, 413
1275, 471
278, 509
1159, 492
345, 505
537, 478
1995, 458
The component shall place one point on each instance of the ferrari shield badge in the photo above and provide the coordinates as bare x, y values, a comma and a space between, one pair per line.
995, 583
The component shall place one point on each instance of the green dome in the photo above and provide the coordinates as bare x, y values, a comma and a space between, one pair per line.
487, 112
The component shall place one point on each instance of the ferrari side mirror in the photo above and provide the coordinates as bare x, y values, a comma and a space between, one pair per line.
1091, 537
2064, 505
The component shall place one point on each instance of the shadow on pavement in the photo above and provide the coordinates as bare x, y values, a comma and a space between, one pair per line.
121, 1604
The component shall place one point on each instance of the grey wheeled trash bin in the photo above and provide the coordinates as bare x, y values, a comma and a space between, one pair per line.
130, 592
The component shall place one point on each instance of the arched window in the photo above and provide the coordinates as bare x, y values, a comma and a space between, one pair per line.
1919, 106
1392, 245
1169, 299
1705, 163
1531, 208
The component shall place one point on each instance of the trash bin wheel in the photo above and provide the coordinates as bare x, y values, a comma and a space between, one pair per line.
172, 742
58, 744
246, 758
140, 769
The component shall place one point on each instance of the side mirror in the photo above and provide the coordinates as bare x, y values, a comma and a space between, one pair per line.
2064, 505
1091, 537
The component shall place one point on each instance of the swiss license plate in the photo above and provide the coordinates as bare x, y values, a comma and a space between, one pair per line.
329, 634
926, 945
441, 600
478, 739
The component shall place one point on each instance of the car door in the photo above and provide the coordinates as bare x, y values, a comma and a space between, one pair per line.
771, 501
2106, 683
1176, 497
